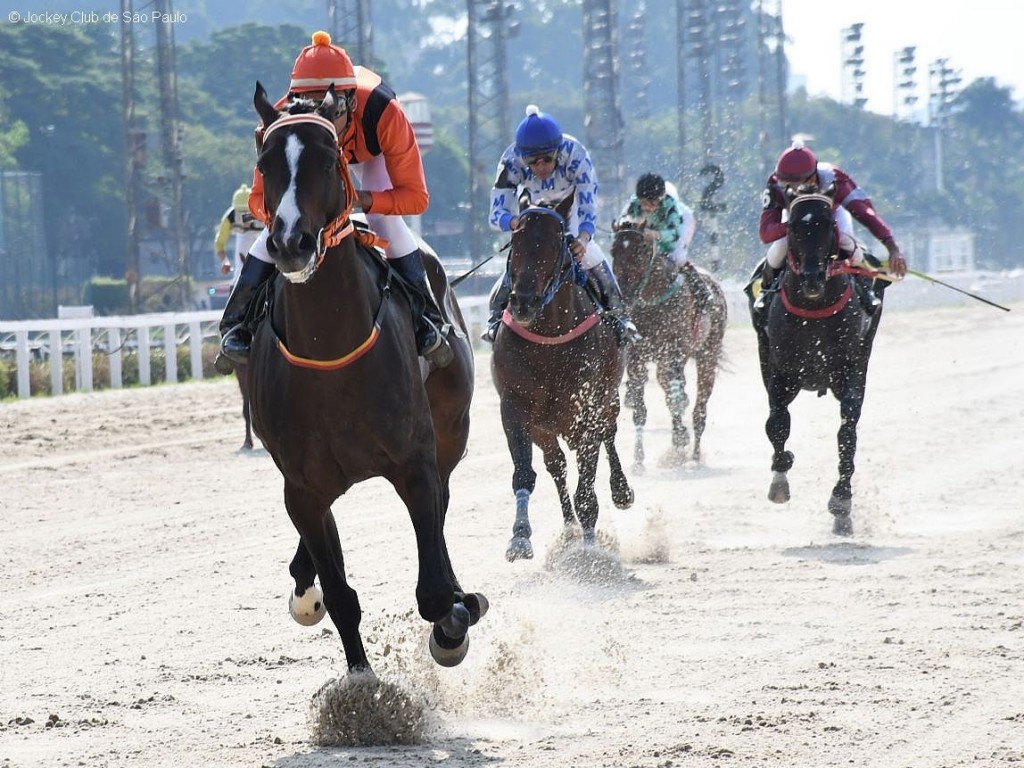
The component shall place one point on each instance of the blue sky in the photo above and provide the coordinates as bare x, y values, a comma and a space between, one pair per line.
981, 38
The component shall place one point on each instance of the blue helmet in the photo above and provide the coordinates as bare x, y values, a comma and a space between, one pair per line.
538, 133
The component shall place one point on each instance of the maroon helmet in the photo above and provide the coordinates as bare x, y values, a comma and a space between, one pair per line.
796, 164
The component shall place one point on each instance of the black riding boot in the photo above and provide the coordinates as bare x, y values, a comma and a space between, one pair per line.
613, 304
497, 303
236, 335
768, 291
431, 329
866, 294
698, 288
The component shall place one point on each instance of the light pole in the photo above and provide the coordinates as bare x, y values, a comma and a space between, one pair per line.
903, 82
852, 52
942, 80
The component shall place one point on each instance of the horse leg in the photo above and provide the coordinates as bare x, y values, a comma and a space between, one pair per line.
524, 479
557, 467
418, 484
242, 376
841, 502
311, 515
637, 370
306, 602
672, 379
586, 497
707, 369
622, 494
780, 395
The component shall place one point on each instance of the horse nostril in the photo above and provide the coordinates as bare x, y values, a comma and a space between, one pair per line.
307, 243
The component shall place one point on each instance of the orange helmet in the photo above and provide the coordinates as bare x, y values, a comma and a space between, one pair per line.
796, 164
321, 65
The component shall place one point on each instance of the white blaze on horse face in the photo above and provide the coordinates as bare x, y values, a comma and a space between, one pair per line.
288, 209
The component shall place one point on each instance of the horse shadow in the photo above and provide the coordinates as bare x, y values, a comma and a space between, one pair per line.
463, 751
847, 553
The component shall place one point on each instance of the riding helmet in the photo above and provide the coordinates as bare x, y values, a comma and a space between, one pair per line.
321, 65
538, 133
650, 186
796, 163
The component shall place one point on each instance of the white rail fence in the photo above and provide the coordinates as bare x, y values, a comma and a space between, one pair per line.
78, 335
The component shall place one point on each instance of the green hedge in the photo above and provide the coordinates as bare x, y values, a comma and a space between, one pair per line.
109, 296
39, 371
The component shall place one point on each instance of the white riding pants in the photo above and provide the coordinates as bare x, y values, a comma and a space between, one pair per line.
844, 223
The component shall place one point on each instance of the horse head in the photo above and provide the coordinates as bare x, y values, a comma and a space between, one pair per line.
307, 193
812, 242
539, 262
632, 256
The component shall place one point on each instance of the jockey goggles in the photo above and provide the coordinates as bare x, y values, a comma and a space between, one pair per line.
532, 160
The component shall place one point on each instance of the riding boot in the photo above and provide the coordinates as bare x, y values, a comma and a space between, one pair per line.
612, 303
236, 333
866, 294
500, 293
699, 290
431, 329
764, 298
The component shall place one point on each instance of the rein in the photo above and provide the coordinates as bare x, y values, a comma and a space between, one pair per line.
836, 268
672, 290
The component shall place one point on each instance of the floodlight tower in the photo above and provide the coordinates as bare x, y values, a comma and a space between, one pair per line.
904, 84
602, 106
489, 26
852, 60
351, 27
942, 82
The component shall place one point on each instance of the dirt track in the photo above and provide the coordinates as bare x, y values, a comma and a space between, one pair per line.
144, 564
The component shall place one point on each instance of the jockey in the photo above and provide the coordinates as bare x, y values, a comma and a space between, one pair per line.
669, 224
548, 166
237, 220
798, 169
378, 142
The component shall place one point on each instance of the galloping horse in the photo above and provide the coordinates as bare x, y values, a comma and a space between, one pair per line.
557, 369
817, 337
672, 331
338, 391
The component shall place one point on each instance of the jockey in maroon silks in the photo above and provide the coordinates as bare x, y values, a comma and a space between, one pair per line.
798, 169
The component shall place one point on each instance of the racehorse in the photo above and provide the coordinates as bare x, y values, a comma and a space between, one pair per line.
557, 369
339, 394
816, 336
672, 331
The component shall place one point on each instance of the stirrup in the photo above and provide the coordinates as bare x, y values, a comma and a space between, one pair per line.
235, 346
440, 352
491, 331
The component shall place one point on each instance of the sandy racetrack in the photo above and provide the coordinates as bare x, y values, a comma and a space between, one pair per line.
144, 567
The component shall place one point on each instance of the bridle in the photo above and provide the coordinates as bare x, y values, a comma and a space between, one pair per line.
565, 268
673, 287
338, 228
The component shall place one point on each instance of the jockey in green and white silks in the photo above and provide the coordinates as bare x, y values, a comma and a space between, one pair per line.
672, 219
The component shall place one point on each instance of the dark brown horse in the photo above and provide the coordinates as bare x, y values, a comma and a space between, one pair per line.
672, 331
339, 394
817, 337
557, 369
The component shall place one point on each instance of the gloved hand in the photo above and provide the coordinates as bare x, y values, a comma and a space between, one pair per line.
897, 263
652, 235
578, 247
225, 263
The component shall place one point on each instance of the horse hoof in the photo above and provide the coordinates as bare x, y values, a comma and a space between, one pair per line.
519, 548
624, 498
589, 537
308, 609
447, 657
638, 468
842, 525
779, 489
477, 605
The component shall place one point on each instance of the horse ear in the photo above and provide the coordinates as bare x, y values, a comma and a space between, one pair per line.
565, 206
263, 106
524, 200
327, 108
